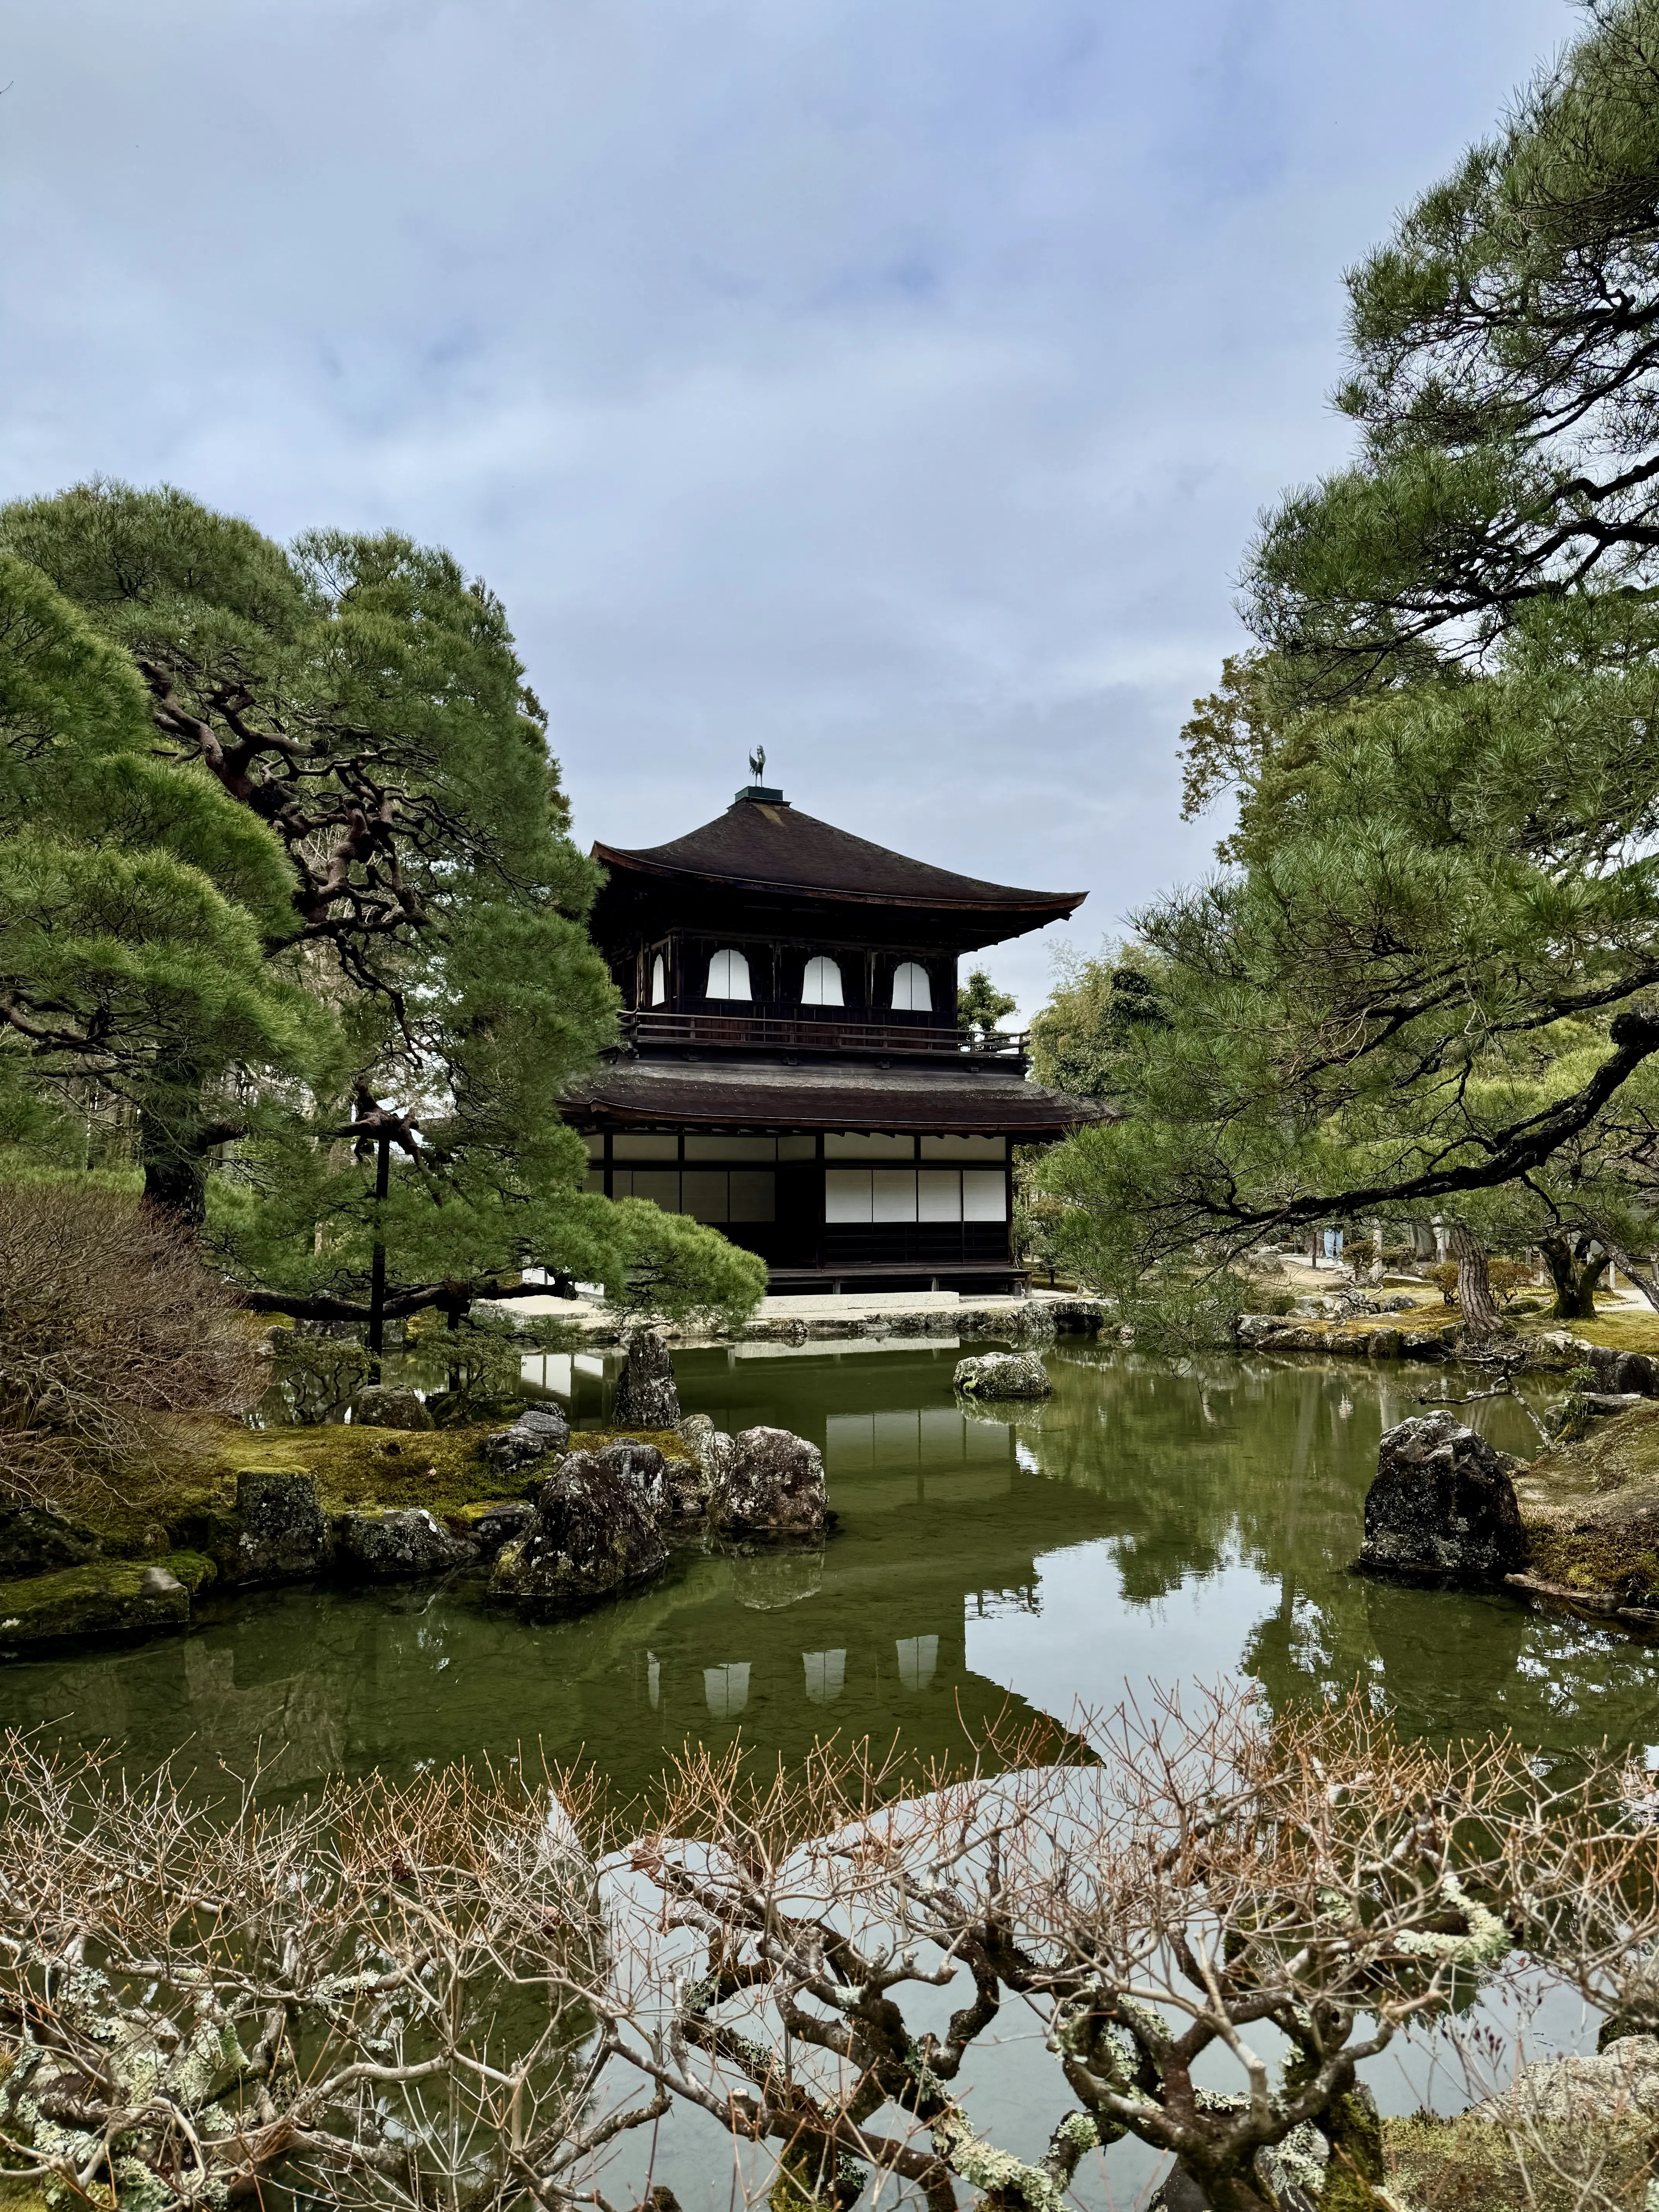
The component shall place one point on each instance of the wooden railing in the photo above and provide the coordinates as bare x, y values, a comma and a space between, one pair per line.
814, 1033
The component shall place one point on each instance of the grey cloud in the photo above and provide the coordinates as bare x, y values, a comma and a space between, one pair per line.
895, 386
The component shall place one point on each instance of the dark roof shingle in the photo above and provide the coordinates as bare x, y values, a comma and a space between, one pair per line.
761, 845
828, 1094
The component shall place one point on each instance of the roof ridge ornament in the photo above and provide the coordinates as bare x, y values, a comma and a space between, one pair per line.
757, 787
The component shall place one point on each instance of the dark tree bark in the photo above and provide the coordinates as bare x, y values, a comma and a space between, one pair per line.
1641, 1272
453, 1299
1577, 1262
176, 1135
1474, 1297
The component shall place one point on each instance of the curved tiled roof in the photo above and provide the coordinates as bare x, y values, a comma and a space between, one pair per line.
832, 1095
767, 844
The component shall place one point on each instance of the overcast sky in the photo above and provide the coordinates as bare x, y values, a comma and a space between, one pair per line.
893, 383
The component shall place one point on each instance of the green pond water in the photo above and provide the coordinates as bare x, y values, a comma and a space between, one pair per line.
1156, 1519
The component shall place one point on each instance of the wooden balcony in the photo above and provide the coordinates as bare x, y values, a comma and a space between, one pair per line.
811, 1031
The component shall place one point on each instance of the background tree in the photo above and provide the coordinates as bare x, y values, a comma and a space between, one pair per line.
981, 1007
1076, 1037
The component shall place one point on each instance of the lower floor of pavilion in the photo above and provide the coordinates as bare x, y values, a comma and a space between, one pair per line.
832, 1209
840, 1178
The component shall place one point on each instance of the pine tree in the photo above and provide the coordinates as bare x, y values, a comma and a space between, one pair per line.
355, 708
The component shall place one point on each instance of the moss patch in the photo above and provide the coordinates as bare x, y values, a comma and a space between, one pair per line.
1592, 1509
184, 1505
1467, 2164
105, 1598
443, 1469
1625, 1330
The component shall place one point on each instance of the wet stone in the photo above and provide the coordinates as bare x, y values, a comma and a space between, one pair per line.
499, 1524
646, 1395
595, 1529
283, 1535
390, 1405
1003, 1375
771, 1487
38, 1540
538, 1431
1441, 1508
401, 1545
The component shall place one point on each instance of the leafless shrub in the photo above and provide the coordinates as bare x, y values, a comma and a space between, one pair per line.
464, 1993
1212, 1881
113, 1337
376, 1994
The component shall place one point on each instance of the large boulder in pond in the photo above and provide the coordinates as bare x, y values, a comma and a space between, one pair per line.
771, 1485
390, 1405
595, 1529
538, 1431
1003, 1375
1441, 1508
39, 1539
401, 1545
646, 1396
691, 1483
283, 1534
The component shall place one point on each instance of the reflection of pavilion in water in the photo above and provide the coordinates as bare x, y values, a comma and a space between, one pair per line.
866, 1637
902, 1620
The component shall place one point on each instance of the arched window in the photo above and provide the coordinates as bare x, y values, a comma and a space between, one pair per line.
728, 976
912, 992
821, 986
658, 981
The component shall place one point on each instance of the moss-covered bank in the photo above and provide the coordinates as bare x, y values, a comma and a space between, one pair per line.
180, 1533
1592, 1511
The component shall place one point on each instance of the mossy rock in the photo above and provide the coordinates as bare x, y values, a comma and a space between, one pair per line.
106, 1597
1591, 1509
1469, 2165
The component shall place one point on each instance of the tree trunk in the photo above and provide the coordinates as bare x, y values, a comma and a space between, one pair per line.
1641, 1272
1474, 1297
1377, 1252
377, 1261
173, 1141
1577, 1263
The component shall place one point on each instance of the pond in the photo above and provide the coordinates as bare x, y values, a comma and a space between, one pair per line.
1155, 1519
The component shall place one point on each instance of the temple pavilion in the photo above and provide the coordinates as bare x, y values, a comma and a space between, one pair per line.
792, 1068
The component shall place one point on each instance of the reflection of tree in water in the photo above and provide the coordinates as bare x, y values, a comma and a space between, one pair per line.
1210, 1462
1207, 1463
